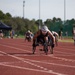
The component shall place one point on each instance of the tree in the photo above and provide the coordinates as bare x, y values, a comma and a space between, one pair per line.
8, 15
1, 15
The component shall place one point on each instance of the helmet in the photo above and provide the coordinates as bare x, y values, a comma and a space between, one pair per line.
44, 28
52, 32
29, 31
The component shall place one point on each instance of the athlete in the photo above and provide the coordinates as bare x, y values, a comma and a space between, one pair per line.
28, 35
42, 36
56, 37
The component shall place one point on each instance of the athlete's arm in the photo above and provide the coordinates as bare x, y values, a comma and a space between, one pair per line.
51, 35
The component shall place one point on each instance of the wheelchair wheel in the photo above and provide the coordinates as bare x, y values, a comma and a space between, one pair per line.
74, 42
29, 39
33, 50
46, 48
50, 46
51, 50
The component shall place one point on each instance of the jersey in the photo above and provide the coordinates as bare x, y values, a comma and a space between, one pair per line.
40, 38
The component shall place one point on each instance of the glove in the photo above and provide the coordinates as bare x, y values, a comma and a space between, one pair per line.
52, 45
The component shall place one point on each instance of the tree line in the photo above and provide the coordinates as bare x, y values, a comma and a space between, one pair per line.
21, 25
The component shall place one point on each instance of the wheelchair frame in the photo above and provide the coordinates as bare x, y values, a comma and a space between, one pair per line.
46, 45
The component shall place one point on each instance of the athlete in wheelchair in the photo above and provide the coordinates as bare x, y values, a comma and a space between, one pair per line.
56, 37
44, 37
28, 36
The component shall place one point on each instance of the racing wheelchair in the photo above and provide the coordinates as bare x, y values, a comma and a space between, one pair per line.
48, 45
28, 38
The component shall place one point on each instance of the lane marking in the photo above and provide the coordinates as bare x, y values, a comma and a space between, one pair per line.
50, 63
15, 48
65, 53
22, 59
35, 52
64, 59
67, 49
18, 67
43, 62
30, 45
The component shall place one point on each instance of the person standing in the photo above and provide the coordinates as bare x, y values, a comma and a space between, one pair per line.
60, 34
1, 34
73, 32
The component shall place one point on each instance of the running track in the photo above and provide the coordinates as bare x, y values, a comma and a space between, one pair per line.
16, 58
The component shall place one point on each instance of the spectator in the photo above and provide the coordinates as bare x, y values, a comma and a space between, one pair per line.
60, 34
1, 34
12, 33
73, 32
66, 33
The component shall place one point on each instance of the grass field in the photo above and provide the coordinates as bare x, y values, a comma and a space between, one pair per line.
66, 40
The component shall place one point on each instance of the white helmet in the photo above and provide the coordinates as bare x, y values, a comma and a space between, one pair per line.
29, 31
44, 28
53, 32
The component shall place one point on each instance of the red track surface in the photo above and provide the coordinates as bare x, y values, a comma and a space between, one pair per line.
16, 58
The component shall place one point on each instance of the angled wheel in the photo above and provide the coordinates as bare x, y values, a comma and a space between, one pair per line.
51, 50
74, 42
33, 50
50, 46
46, 48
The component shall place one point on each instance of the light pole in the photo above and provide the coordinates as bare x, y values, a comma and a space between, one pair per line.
23, 8
64, 11
39, 17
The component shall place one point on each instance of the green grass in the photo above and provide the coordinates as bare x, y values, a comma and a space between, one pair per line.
20, 36
66, 40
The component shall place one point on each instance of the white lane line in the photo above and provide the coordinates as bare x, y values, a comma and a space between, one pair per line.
15, 48
64, 53
22, 59
31, 55
18, 67
68, 49
30, 45
43, 62
11, 62
50, 63
63, 59
35, 52
55, 51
